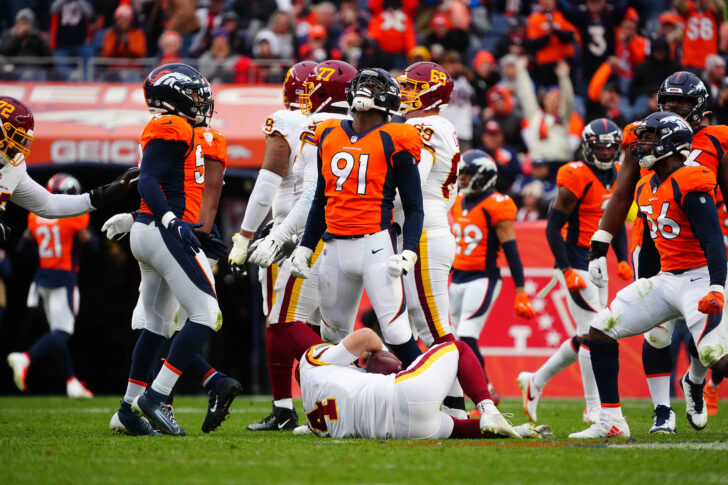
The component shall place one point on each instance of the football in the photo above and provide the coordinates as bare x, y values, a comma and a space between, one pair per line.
383, 362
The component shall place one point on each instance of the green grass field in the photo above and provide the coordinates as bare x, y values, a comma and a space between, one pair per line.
56, 440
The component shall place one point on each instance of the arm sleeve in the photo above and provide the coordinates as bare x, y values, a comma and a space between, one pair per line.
33, 197
510, 249
158, 160
261, 199
619, 244
648, 261
703, 217
407, 181
296, 218
316, 221
556, 220
338, 355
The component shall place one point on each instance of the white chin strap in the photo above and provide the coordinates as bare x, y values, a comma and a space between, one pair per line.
602, 165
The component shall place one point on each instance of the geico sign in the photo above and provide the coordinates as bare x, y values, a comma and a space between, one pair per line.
102, 151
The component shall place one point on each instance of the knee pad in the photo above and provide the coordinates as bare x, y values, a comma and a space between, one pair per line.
659, 337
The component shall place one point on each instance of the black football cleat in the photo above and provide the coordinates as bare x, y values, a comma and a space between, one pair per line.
281, 419
222, 395
125, 421
159, 414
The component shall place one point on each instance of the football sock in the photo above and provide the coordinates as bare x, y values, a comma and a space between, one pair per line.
591, 393
209, 379
286, 403
697, 371
201, 369
473, 344
560, 360
144, 356
162, 355
134, 389
165, 380
657, 364
716, 377
605, 362
406, 352
471, 374
185, 347
316, 328
454, 398
286, 342
49, 343
466, 428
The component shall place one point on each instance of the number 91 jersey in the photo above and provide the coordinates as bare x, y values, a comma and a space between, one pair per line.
669, 227
474, 229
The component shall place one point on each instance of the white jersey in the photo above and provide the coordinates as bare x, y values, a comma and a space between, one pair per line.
289, 124
438, 170
344, 401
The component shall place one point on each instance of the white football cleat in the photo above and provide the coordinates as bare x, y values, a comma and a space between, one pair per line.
663, 418
19, 362
606, 427
530, 393
76, 390
302, 430
697, 412
492, 421
591, 415
533, 430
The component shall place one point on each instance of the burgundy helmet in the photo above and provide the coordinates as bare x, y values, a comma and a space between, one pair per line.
63, 183
293, 84
424, 86
16, 130
327, 87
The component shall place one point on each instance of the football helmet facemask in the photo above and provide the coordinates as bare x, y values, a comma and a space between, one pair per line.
179, 89
672, 136
16, 131
601, 142
481, 169
63, 183
293, 83
424, 86
374, 88
684, 86
327, 87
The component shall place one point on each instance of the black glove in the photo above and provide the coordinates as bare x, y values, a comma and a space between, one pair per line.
211, 245
184, 231
107, 194
597, 249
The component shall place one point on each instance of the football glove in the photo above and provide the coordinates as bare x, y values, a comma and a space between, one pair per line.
106, 194
301, 262
118, 225
597, 256
401, 263
184, 232
598, 273
266, 251
624, 271
712, 303
238, 254
522, 306
211, 245
574, 282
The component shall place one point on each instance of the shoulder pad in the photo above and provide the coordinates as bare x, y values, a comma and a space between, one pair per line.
167, 127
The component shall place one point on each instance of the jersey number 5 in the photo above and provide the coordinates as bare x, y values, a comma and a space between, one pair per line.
316, 417
668, 228
342, 164
199, 162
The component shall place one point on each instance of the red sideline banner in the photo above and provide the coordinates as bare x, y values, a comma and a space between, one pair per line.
102, 122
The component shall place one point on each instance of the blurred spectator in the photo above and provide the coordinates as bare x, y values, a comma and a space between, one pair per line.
254, 14
230, 23
170, 44
325, 13
70, 20
649, 75
546, 132
501, 109
596, 21
650, 108
182, 19
544, 173
551, 38
418, 53
210, 19
394, 32
514, 42
671, 30
459, 110
603, 95
714, 78
246, 71
24, 40
408, 6
281, 25
122, 40
509, 167
350, 45
486, 76
444, 34
531, 194
632, 48
315, 47
266, 48
218, 64
702, 19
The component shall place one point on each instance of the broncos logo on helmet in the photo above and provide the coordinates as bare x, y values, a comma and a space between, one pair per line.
478, 172
179, 89
685, 94
601, 143
672, 135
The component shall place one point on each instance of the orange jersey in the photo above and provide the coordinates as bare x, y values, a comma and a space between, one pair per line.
357, 170
592, 197
473, 224
55, 238
701, 36
184, 194
668, 225
555, 50
214, 146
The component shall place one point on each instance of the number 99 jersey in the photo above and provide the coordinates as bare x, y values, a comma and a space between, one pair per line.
474, 229
668, 225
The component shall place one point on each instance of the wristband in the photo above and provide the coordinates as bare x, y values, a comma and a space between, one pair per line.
167, 218
717, 288
602, 236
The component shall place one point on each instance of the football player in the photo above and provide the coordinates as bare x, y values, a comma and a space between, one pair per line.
482, 224
361, 163
344, 401
682, 233
296, 301
584, 190
684, 94
57, 243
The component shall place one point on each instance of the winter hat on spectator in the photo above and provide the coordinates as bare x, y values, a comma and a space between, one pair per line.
481, 57
418, 53
317, 32
440, 20
632, 15
534, 189
497, 92
27, 15
508, 59
713, 60
669, 18
123, 11
492, 126
218, 32
266, 36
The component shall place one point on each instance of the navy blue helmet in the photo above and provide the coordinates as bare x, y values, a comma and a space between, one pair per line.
684, 85
601, 143
374, 88
482, 170
179, 89
673, 136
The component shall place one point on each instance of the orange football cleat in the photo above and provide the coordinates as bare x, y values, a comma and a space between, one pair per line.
710, 395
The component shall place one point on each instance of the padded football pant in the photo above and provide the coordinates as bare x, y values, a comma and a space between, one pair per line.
297, 299
585, 303
470, 305
60, 305
348, 266
426, 286
267, 278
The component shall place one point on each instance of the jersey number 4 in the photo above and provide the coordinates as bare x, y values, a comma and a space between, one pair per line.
342, 164
316, 417
668, 228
